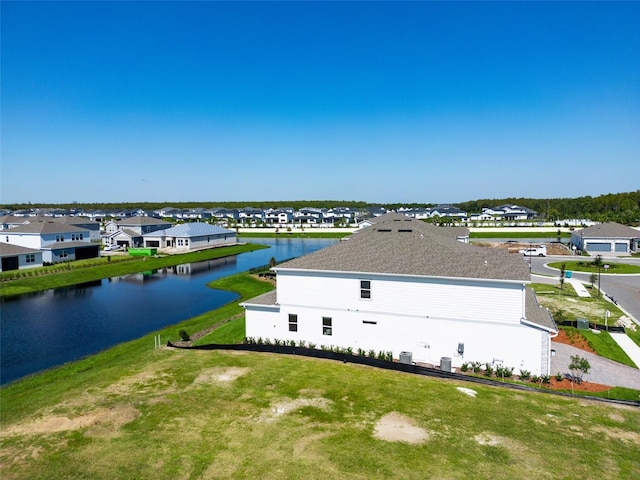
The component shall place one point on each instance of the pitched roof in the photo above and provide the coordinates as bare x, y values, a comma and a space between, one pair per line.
400, 245
195, 229
9, 250
608, 230
536, 313
139, 221
44, 226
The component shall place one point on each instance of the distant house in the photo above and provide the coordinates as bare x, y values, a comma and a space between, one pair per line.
129, 232
190, 236
80, 222
10, 221
14, 257
57, 242
222, 213
405, 286
448, 211
278, 216
610, 237
510, 212
250, 215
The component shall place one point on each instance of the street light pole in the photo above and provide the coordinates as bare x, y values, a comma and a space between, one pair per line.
599, 262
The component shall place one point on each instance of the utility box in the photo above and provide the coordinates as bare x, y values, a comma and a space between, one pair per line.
568, 273
406, 358
445, 364
582, 324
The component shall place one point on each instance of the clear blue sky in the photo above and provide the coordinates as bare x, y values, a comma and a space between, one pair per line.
427, 102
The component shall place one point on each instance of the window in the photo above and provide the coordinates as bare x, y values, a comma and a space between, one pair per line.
63, 254
31, 258
365, 288
326, 326
293, 322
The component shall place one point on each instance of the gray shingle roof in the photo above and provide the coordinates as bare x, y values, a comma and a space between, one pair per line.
8, 250
535, 313
268, 298
397, 244
44, 226
139, 221
608, 230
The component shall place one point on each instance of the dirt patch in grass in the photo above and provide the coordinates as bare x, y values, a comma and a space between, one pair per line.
395, 427
101, 422
222, 375
283, 407
575, 340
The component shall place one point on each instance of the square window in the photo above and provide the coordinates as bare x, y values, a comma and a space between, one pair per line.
365, 289
327, 328
293, 322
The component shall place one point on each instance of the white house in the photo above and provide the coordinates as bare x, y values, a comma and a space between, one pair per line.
610, 237
57, 242
402, 285
190, 236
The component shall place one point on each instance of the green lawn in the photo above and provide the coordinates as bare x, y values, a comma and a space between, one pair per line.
512, 234
134, 411
72, 273
588, 267
295, 234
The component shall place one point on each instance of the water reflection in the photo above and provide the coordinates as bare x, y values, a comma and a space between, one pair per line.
44, 329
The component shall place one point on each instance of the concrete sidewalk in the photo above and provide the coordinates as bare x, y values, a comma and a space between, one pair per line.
628, 345
579, 287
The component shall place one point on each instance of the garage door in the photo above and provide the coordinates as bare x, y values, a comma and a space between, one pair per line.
598, 247
622, 247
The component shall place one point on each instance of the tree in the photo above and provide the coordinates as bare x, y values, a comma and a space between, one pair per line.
592, 278
563, 269
579, 366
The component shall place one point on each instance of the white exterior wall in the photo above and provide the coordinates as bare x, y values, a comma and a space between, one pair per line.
434, 298
24, 240
428, 340
428, 317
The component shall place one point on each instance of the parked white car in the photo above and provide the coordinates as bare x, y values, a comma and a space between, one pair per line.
112, 248
540, 251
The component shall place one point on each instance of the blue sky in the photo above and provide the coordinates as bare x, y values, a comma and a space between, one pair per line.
425, 102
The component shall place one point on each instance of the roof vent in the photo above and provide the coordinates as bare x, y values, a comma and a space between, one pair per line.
405, 230
384, 229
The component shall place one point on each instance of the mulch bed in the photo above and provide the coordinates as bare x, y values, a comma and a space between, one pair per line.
577, 341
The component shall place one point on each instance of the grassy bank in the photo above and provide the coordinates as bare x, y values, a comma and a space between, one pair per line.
210, 414
72, 273
134, 411
511, 234
294, 234
589, 267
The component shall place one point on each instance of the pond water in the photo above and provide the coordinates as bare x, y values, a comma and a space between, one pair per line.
49, 328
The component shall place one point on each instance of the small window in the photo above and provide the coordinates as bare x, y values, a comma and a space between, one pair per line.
365, 289
31, 258
293, 322
327, 328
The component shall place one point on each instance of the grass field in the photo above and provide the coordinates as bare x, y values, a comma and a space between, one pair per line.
72, 273
588, 267
511, 234
138, 412
296, 234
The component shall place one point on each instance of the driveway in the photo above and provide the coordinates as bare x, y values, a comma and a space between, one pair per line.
603, 370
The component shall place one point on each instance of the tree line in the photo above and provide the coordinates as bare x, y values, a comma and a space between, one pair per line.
613, 207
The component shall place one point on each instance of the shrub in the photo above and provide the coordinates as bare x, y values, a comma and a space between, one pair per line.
488, 370
277, 342
312, 345
362, 352
349, 351
184, 335
559, 377
464, 367
475, 366
535, 378
259, 340
267, 341
302, 343
504, 372
525, 374
371, 353
545, 379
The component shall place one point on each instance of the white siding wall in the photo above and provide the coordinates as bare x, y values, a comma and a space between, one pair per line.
429, 340
433, 298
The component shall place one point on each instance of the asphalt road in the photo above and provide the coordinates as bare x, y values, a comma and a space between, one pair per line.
624, 288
